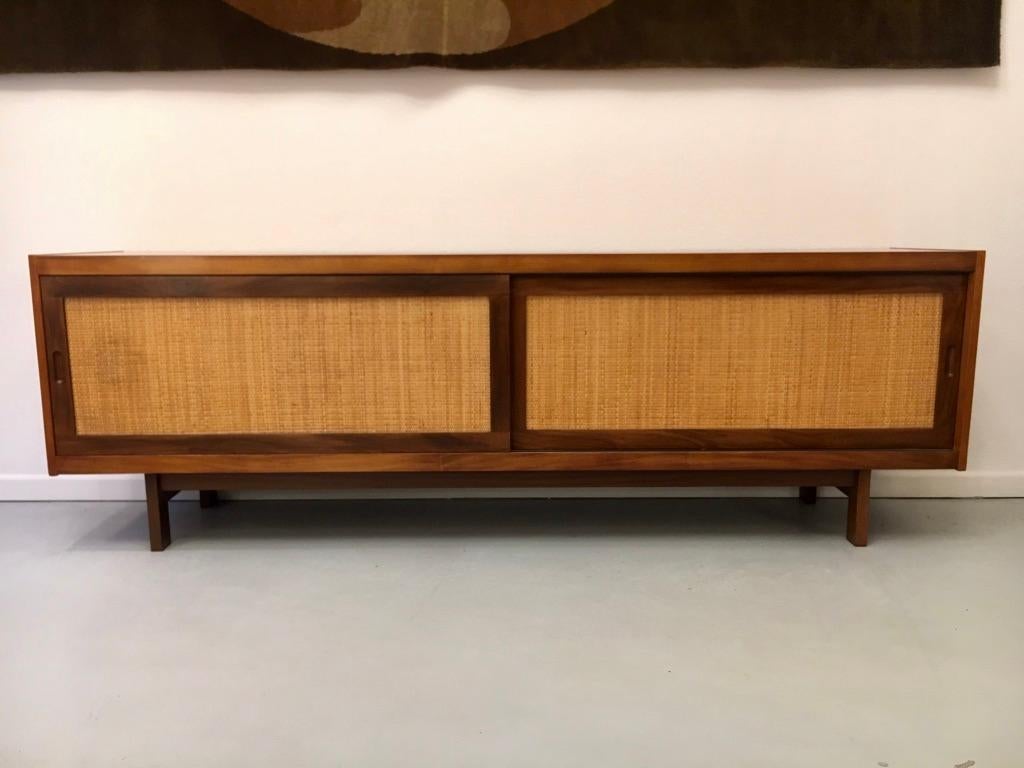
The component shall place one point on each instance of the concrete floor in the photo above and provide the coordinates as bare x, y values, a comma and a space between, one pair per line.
513, 633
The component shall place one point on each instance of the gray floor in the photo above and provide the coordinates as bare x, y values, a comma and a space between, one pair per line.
513, 633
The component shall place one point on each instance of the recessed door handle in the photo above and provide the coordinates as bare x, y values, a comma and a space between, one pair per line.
59, 373
951, 362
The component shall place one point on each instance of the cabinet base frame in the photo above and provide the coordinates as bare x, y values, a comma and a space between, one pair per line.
160, 488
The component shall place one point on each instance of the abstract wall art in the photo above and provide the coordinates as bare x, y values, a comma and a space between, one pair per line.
96, 35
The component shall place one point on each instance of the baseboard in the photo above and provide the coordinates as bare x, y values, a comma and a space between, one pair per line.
896, 484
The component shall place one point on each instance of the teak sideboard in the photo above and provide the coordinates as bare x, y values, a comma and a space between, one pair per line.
225, 372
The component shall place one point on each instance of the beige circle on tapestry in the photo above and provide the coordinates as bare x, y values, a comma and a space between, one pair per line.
300, 15
415, 26
419, 26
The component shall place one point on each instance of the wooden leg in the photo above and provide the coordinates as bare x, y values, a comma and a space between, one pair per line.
159, 518
858, 511
208, 499
809, 494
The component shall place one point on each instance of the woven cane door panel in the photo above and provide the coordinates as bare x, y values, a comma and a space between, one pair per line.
739, 362
202, 366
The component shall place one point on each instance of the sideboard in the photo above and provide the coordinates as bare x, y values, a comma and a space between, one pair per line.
229, 372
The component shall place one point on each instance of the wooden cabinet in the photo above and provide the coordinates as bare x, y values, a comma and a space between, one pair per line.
671, 369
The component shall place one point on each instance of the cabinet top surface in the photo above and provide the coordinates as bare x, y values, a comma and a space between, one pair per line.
203, 263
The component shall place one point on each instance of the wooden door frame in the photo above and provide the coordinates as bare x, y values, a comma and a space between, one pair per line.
953, 351
64, 441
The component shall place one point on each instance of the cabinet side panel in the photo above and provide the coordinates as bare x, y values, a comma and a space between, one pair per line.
968, 360
43, 361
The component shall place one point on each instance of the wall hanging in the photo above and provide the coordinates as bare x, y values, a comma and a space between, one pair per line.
73, 35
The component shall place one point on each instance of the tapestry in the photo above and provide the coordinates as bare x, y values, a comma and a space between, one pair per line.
96, 35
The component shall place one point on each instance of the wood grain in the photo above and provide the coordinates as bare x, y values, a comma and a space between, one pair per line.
42, 358
281, 443
756, 262
276, 286
728, 439
858, 516
968, 360
426, 480
514, 461
158, 514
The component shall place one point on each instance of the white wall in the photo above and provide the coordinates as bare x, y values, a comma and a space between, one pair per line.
424, 160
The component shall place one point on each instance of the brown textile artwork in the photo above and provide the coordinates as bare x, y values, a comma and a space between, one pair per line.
82, 35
